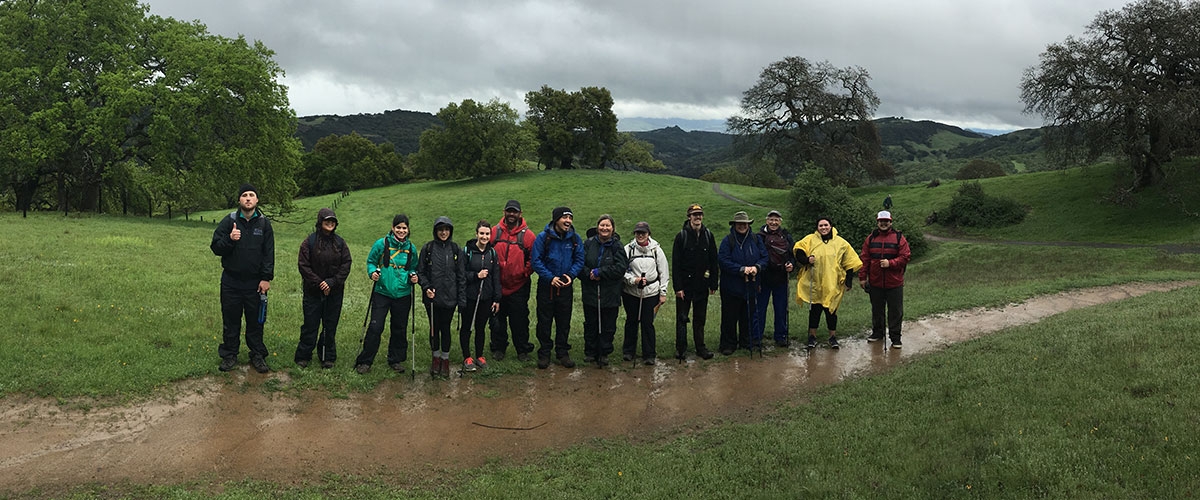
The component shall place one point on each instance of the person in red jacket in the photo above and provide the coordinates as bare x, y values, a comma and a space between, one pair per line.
885, 255
513, 242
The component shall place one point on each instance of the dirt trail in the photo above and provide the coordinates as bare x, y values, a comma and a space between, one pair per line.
217, 432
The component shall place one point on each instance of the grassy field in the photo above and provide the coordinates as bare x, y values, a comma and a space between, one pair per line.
1087, 404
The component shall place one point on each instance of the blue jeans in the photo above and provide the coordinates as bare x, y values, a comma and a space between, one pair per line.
779, 294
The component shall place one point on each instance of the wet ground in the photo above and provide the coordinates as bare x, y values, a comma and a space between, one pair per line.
216, 431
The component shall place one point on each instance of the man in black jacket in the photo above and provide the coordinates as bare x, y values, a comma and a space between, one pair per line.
695, 274
246, 244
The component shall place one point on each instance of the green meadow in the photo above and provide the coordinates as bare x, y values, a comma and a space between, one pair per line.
1092, 403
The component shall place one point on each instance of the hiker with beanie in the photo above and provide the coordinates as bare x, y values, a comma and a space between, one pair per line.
780, 263
392, 265
324, 263
885, 256
645, 291
695, 274
481, 294
600, 282
743, 257
442, 277
513, 242
246, 244
557, 258
827, 268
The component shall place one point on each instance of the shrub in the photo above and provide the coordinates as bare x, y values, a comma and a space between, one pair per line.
972, 207
980, 169
813, 195
727, 175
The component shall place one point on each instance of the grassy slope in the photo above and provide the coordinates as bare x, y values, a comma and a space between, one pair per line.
99, 314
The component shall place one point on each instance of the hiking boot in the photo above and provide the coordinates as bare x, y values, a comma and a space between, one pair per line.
783, 343
703, 353
543, 362
875, 338
227, 364
327, 364
259, 364
469, 365
602, 361
726, 351
565, 361
682, 356
896, 343
833, 343
589, 359
435, 366
302, 363
521, 356
481, 363
648, 361
397, 367
498, 355
362, 369
445, 368
812, 342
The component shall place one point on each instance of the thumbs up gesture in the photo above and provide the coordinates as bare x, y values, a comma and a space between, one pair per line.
236, 234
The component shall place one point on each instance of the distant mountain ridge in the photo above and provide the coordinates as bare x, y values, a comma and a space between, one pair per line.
919, 150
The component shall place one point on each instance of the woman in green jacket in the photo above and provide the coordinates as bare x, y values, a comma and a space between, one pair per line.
392, 265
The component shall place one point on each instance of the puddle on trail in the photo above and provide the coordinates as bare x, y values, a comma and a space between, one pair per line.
216, 432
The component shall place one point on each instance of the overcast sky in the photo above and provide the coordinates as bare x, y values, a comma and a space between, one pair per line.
953, 61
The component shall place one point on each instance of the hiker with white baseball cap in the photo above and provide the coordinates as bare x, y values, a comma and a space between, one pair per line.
885, 255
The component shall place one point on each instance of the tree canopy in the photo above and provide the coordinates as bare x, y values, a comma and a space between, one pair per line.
573, 127
1129, 86
102, 106
344, 162
800, 112
474, 140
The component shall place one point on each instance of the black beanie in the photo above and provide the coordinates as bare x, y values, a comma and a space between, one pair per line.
398, 219
559, 213
246, 187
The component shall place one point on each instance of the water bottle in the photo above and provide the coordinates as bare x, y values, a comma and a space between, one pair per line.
262, 308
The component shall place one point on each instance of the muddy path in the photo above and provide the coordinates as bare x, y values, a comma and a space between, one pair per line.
218, 431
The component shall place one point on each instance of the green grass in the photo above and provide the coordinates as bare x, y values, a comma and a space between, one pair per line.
1086, 404
114, 306
1070, 205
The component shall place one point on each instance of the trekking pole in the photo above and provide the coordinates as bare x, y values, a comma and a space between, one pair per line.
412, 329
429, 313
370, 303
599, 329
321, 335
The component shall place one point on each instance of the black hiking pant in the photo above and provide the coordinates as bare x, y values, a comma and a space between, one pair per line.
320, 311
697, 301
482, 315
643, 309
514, 313
397, 351
736, 311
237, 302
554, 308
599, 328
887, 308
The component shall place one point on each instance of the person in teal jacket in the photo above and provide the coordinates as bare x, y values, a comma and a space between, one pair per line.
392, 265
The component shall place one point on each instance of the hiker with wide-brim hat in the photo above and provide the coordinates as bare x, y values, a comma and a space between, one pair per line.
742, 257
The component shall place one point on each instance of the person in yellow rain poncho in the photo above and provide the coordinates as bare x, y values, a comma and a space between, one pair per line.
828, 265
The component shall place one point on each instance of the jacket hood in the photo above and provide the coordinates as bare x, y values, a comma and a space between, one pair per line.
323, 214
443, 221
473, 245
832, 233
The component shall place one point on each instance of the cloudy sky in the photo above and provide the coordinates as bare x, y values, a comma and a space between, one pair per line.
954, 61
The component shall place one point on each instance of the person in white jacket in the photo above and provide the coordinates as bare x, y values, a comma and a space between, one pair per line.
644, 292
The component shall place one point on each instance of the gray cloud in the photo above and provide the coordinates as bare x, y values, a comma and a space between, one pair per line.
951, 61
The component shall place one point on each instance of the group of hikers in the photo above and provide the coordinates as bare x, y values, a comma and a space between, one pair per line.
489, 280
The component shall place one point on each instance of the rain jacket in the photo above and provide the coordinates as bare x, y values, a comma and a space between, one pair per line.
395, 260
556, 255
250, 259
609, 261
694, 260
649, 261
824, 282
513, 246
738, 251
324, 258
486, 290
442, 268
884, 245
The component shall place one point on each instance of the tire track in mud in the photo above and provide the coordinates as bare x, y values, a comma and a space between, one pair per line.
217, 432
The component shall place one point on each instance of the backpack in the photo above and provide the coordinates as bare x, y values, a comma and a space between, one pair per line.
520, 243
